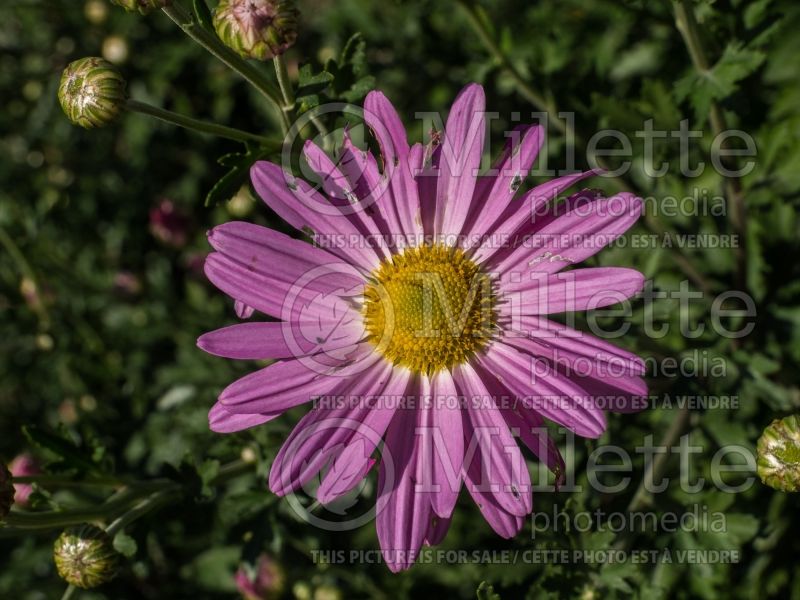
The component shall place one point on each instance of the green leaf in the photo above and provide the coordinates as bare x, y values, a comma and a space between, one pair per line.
70, 454
354, 55
485, 591
125, 544
719, 81
311, 84
238, 164
203, 14
207, 471
615, 576
359, 89
213, 569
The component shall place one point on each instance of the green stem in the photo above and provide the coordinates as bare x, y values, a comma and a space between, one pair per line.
149, 504
60, 481
56, 518
159, 491
290, 102
525, 90
214, 45
284, 82
194, 124
53, 519
655, 471
232, 470
69, 592
24, 268
686, 23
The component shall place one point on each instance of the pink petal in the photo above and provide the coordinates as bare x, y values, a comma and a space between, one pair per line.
340, 191
317, 294
427, 180
526, 211
443, 440
574, 343
462, 148
494, 193
531, 430
617, 394
574, 237
268, 251
437, 530
325, 429
506, 473
297, 203
383, 120
352, 465
504, 523
262, 340
288, 383
361, 170
242, 310
571, 291
222, 421
549, 393
403, 514
524, 422
581, 364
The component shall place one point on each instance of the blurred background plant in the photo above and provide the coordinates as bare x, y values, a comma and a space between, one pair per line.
102, 294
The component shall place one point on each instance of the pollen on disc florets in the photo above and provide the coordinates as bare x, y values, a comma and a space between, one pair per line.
429, 308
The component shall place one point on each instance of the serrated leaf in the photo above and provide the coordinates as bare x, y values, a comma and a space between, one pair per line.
207, 471
485, 591
70, 454
719, 82
615, 576
213, 569
243, 506
359, 89
308, 103
354, 54
310, 84
239, 164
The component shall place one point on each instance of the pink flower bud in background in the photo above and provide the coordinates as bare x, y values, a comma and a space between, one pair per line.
24, 465
264, 582
168, 224
193, 262
127, 284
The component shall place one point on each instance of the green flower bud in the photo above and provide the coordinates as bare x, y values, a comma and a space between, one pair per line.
779, 454
260, 29
143, 6
85, 557
92, 92
6, 491
327, 592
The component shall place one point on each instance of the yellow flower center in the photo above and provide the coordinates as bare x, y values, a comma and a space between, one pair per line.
429, 308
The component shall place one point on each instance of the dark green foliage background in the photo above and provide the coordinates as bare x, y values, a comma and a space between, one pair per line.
118, 372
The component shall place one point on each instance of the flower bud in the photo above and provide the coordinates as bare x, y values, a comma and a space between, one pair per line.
143, 6
327, 592
24, 465
260, 29
264, 582
85, 557
92, 92
6, 491
779, 454
169, 224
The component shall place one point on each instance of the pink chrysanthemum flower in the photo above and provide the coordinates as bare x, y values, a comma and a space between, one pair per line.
417, 321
